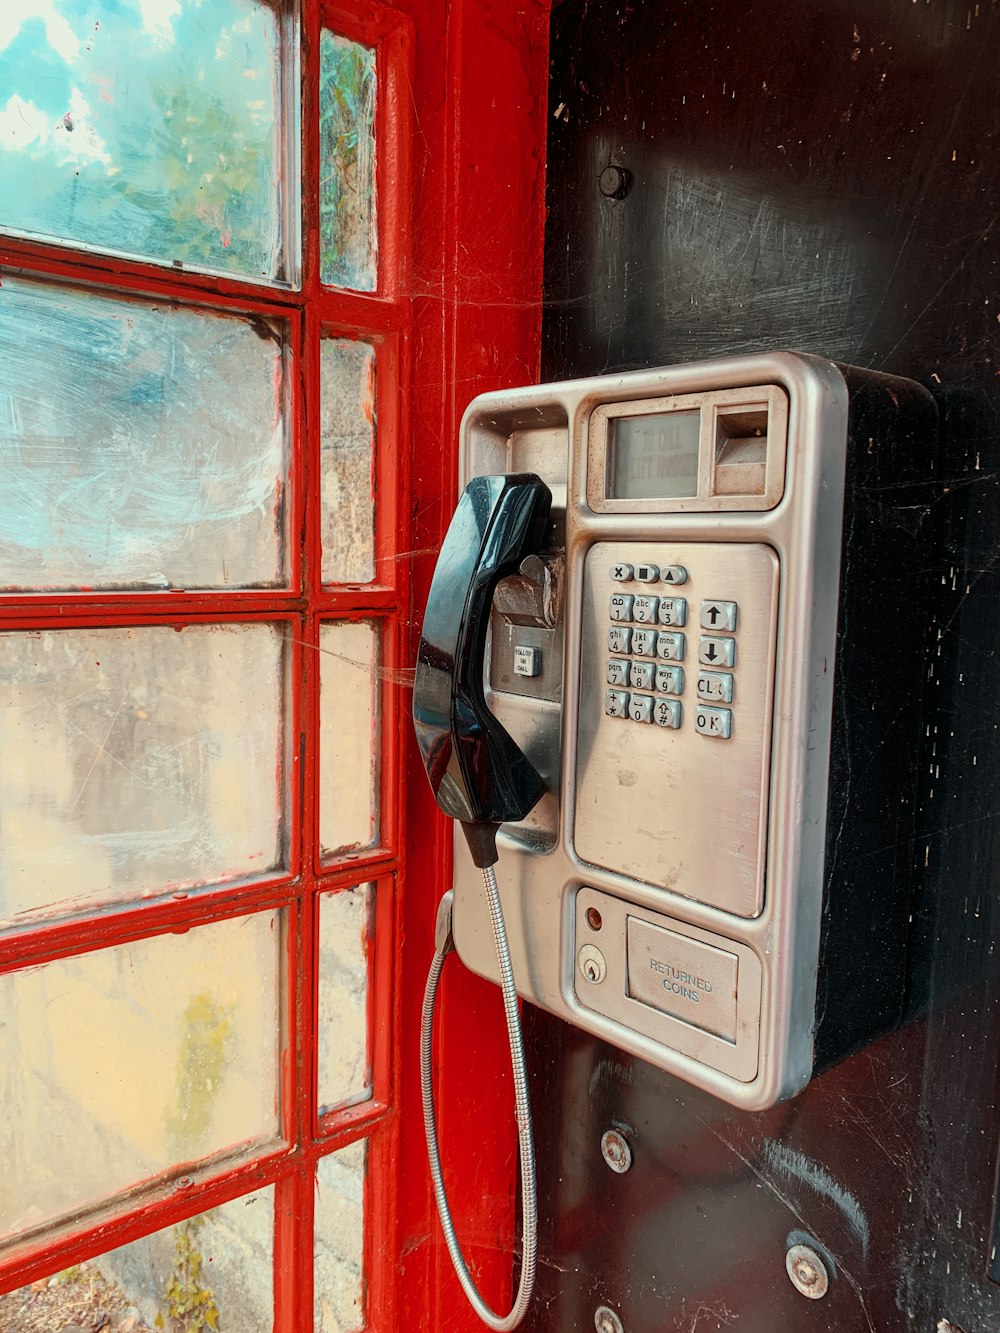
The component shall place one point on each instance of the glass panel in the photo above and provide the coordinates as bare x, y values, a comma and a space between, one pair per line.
349, 746
215, 1267
119, 1064
347, 214
145, 127
345, 928
136, 760
340, 1248
347, 440
140, 446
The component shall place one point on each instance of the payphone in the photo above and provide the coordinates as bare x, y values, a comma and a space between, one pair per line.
671, 671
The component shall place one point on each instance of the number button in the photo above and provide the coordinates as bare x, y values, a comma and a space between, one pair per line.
640, 708
644, 642
719, 617
644, 610
640, 675
717, 652
621, 573
670, 647
670, 679
621, 606
715, 686
716, 722
617, 673
667, 713
673, 611
616, 703
618, 639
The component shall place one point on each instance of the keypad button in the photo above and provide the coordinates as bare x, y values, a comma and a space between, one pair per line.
670, 679
715, 687
670, 646
673, 611
621, 573
674, 574
644, 610
620, 606
644, 642
640, 707
616, 703
617, 673
667, 712
717, 722
719, 617
647, 573
717, 652
619, 639
640, 675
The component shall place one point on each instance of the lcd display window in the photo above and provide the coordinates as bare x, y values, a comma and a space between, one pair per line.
654, 457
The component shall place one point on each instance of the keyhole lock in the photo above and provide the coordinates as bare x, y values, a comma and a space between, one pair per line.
591, 962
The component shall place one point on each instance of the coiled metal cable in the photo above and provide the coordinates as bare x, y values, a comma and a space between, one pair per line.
522, 1107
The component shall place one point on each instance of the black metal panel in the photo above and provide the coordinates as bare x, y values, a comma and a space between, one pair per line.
821, 176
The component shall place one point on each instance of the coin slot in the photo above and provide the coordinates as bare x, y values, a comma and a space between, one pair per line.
740, 463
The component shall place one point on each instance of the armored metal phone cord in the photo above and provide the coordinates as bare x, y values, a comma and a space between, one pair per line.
522, 1104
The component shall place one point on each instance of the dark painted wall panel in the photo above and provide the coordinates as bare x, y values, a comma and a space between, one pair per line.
822, 177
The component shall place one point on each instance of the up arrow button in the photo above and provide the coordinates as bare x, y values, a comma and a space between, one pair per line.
719, 617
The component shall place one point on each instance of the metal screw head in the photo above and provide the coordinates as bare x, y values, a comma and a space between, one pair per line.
807, 1271
615, 182
606, 1321
616, 1151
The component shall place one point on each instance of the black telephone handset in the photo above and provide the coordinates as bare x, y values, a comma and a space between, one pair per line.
480, 777
478, 774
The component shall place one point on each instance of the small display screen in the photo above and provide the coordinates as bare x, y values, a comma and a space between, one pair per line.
654, 457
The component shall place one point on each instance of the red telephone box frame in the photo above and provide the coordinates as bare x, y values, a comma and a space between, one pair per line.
460, 181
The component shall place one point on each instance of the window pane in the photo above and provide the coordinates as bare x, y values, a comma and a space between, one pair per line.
148, 129
221, 1261
348, 230
136, 760
349, 743
340, 1248
345, 928
140, 446
347, 441
120, 1064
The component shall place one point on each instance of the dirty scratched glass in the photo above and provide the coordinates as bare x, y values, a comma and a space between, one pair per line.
347, 444
217, 1264
145, 127
128, 1061
345, 928
339, 1247
141, 446
348, 741
137, 760
348, 227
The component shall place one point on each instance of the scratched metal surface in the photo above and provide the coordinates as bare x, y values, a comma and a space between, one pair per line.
821, 176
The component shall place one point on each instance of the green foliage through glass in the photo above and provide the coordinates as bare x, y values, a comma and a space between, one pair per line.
347, 212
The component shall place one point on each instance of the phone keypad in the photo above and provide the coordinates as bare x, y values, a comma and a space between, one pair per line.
633, 680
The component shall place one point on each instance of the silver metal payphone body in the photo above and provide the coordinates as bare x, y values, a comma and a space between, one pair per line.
667, 662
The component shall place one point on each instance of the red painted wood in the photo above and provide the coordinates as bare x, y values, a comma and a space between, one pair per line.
480, 90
